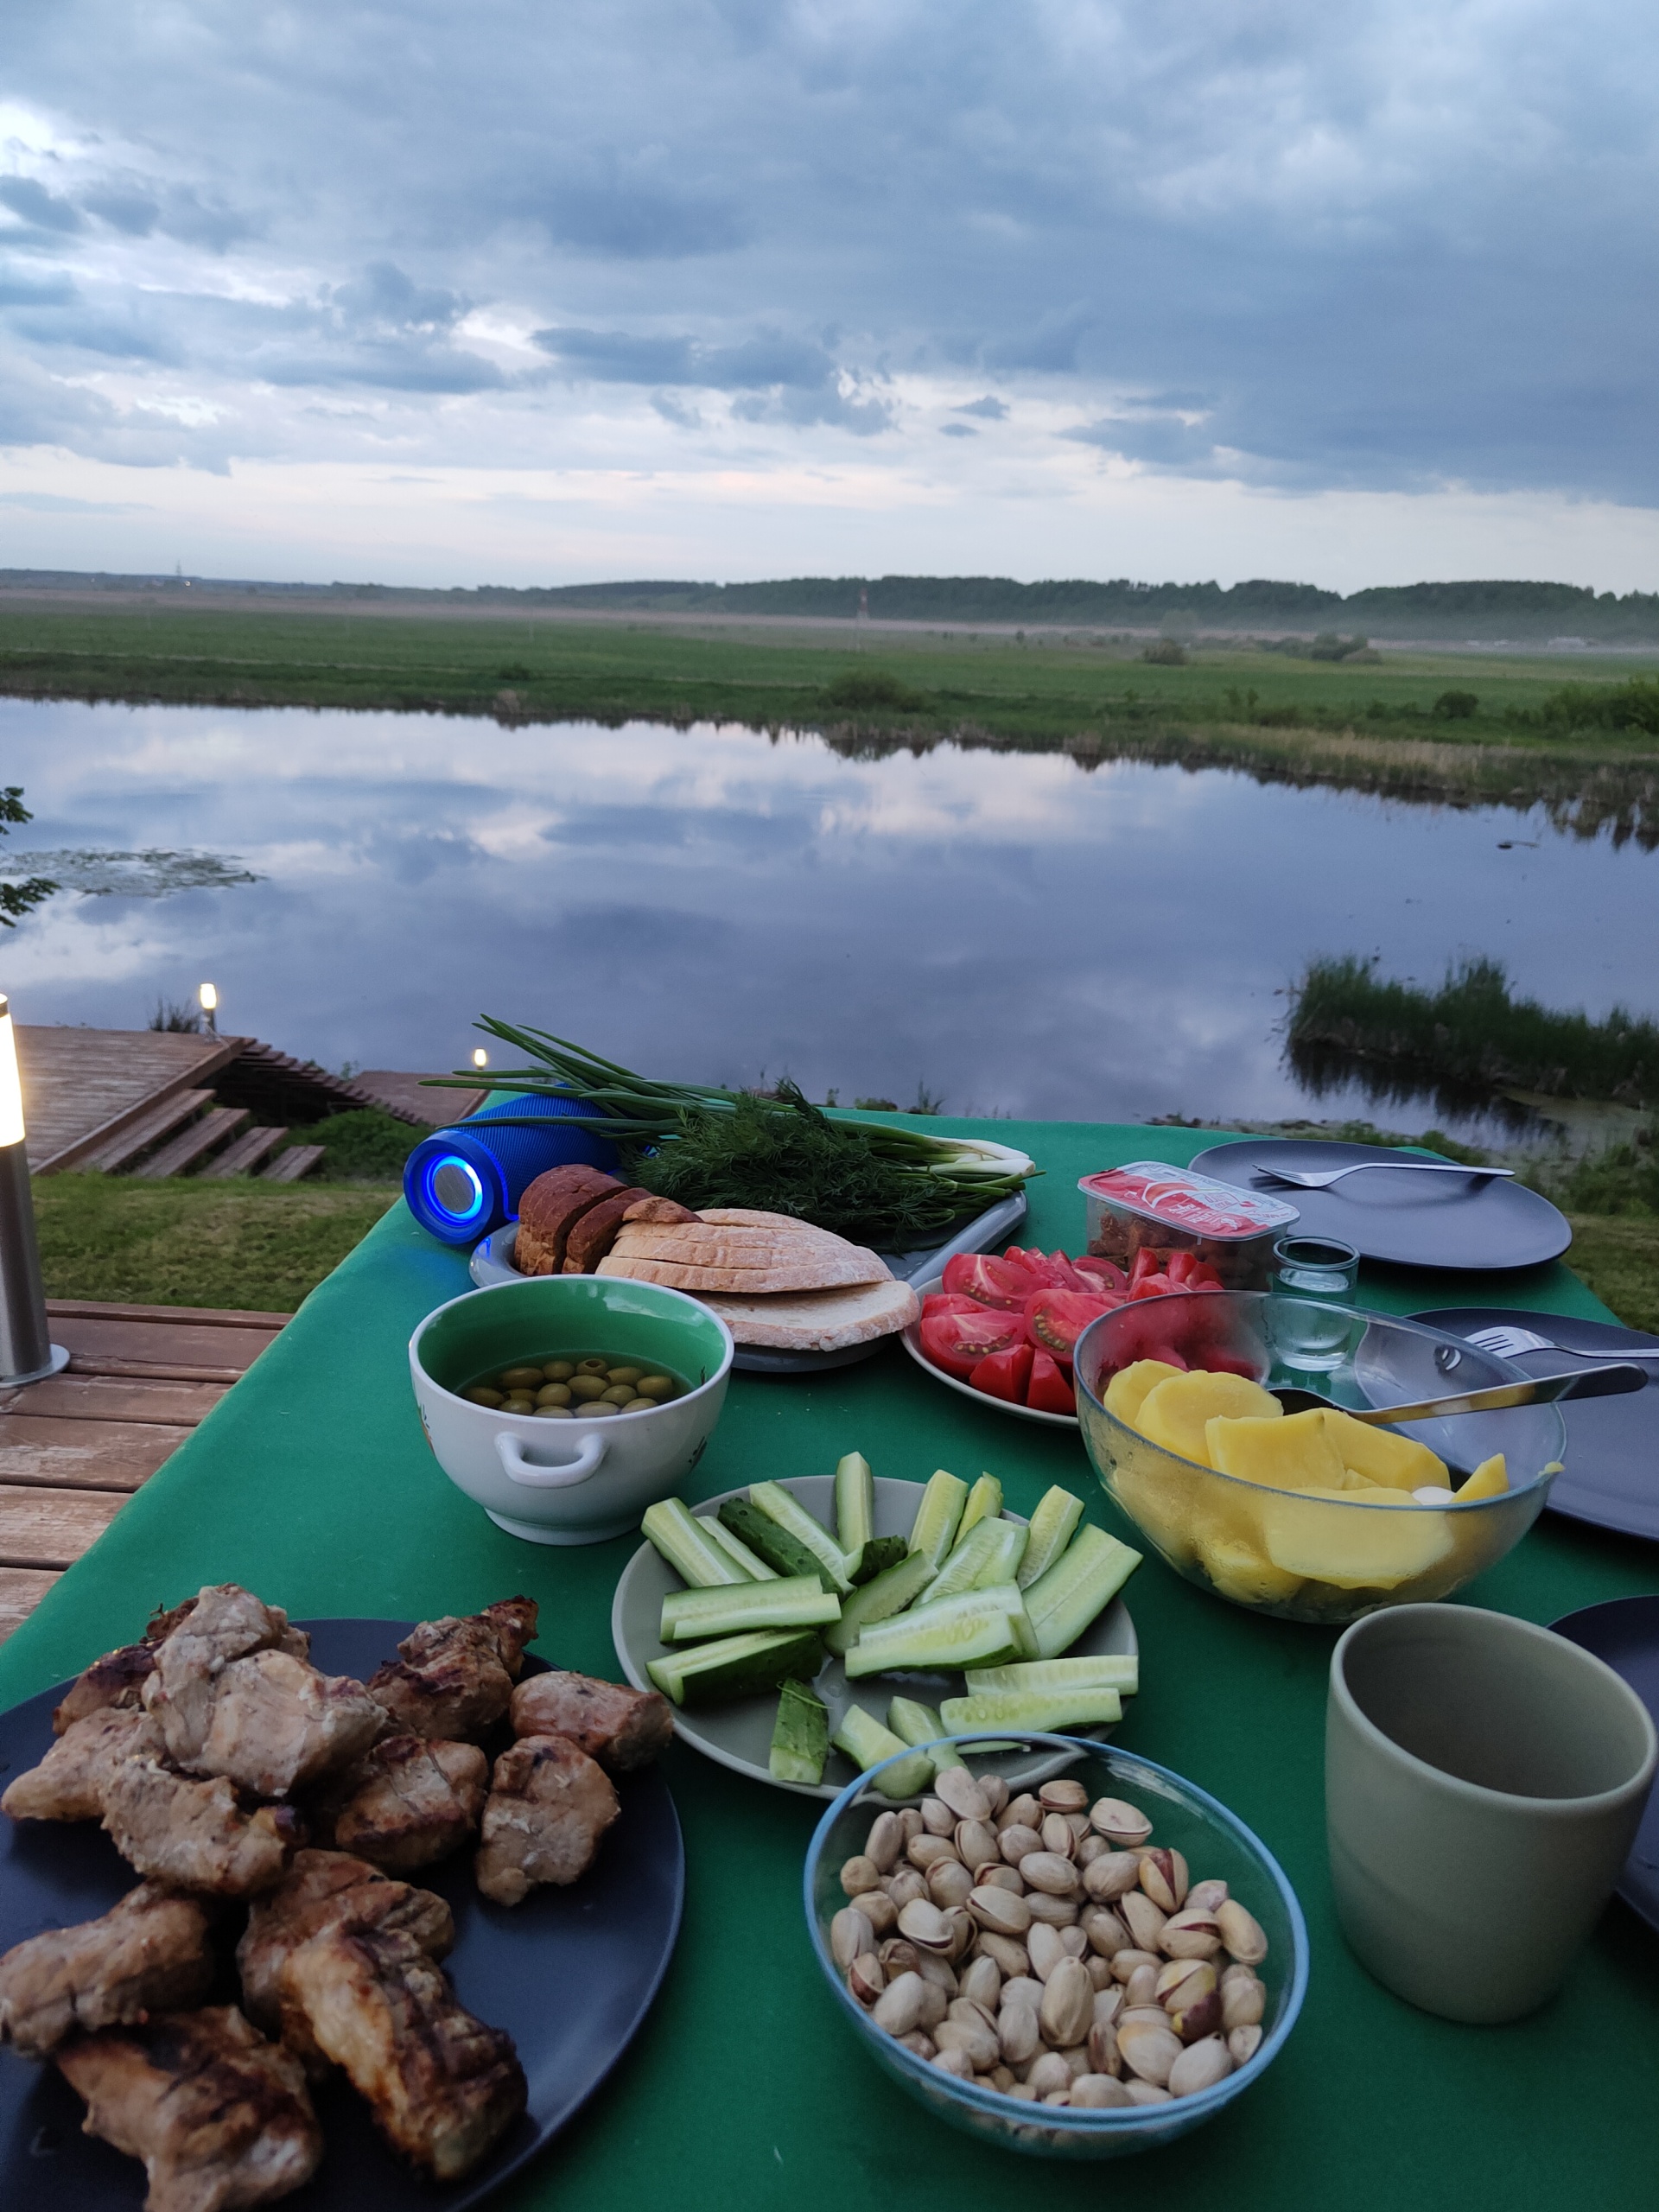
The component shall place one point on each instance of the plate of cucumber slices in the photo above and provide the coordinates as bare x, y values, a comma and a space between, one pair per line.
808, 1630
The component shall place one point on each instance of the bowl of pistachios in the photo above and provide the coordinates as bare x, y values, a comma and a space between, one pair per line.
1084, 1970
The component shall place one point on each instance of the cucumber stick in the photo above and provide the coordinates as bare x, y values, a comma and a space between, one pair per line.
867, 1743
1081, 1584
938, 1518
736, 1665
792, 1517
687, 1547
977, 1627
919, 1723
750, 1562
889, 1593
1111, 1670
1040, 1709
987, 1555
855, 1504
763, 1536
794, 1601
1052, 1527
984, 1503
800, 1737
875, 1558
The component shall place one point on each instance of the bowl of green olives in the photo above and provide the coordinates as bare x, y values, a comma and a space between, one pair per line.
565, 1405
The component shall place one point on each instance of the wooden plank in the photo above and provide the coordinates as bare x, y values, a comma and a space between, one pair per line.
101, 1397
245, 1154
224, 1317
83, 1454
145, 1129
83, 1087
289, 1167
53, 1527
163, 1346
203, 1136
21, 1589
404, 1094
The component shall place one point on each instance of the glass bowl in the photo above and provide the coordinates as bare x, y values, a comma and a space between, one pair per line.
1314, 1559
1214, 1842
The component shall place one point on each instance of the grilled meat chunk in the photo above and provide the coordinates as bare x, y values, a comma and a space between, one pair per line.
195, 1835
442, 2087
413, 1802
276, 1725
115, 1680
148, 1953
328, 1889
69, 1783
220, 2117
619, 1728
225, 1623
549, 1807
454, 1678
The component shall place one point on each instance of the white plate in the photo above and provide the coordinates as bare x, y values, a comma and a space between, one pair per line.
912, 1340
738, 1734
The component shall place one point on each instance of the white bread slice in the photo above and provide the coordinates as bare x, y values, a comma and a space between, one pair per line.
750, 1217
824, 1320
810, 1269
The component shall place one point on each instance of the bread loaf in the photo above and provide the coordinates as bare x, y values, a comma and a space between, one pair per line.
547, 1209
594, 1231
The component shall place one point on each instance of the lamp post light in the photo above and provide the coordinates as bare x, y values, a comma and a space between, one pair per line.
481, 1058
208, 995
27, 1352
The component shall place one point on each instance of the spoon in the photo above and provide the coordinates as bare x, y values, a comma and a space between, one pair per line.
1537, 1390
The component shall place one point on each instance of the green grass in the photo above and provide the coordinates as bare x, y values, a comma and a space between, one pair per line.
228, 1244
363, 1146
1368, 727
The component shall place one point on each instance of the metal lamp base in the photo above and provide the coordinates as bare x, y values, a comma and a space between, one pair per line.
55, 1365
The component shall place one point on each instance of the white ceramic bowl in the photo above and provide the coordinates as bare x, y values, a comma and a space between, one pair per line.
567, 1482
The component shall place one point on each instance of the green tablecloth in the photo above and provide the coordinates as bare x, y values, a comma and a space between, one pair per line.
311, 1482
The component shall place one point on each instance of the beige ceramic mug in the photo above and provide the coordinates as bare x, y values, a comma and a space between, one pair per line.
1484, 1780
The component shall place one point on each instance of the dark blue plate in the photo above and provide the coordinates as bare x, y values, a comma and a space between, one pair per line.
1624, 1632
1470, 1223
569, 1974
1612, 1475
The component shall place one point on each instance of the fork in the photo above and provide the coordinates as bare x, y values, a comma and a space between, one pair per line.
1318, 1179
1509, 1343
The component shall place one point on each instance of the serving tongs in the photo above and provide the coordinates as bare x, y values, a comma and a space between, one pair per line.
1611, 1381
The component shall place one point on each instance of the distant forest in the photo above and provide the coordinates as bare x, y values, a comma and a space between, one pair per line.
1487, 612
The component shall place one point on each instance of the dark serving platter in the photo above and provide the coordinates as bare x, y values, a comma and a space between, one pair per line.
1624, 1632
1473, 1223
569, 1974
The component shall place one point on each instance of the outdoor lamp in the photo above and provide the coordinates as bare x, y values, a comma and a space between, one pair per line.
481, 1058
209, 996
27, 1352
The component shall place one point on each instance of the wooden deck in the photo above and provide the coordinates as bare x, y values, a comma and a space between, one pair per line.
73, 1448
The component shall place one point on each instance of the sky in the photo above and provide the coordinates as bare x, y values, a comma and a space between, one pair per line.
733, 289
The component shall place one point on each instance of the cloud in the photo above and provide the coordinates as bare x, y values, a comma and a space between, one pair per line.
37, 207
990, 408
781, 378
52, 503
958, 430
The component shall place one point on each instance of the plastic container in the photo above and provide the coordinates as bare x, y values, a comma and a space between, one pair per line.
1214, 1842
464, 1181
1320, 1559
1164, 1209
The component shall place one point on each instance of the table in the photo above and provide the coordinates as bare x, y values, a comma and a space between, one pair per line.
311, 1482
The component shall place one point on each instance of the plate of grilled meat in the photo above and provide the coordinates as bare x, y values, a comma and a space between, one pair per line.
363, 1909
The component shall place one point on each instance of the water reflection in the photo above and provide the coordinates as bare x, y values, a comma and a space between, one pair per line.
1017, 933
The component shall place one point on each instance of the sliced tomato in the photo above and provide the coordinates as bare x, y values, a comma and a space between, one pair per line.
1146, 1330
1040, 1270
947, 1301
957, 1342
1106, 1273
1049, 1391
1067, 1271
1004, 1374
1181, 1264
1144, 1265
1231, 1363
1056, 1318
988, 1280
1152, 1287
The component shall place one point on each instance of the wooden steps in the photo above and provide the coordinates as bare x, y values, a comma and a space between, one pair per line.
76, 1447
194, 1143
244, 1154
289, 1167
149, 1128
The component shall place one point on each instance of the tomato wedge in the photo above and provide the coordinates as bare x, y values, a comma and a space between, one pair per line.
1143, 1265
1048, 1390
1106, 1273
1056, 1318
1004, 1374
988, 1280
957, 1342
947, 1301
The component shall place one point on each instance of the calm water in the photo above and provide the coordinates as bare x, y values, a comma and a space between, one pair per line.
1018, 934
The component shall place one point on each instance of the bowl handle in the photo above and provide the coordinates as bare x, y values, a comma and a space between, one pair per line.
525, 1472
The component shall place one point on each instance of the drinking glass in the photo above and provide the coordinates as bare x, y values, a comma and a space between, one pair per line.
1321, 1267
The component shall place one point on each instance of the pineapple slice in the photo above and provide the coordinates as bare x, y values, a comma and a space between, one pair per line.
1174, 1413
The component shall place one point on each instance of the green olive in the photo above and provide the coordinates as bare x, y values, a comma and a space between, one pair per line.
655, 1386
519, 1403
638, 1406
481, 1393
558, 1371
627, 1374
553, 1394
619, 1393
554, 1412
521, 1378
587, 1386
598, 1406
591, 1366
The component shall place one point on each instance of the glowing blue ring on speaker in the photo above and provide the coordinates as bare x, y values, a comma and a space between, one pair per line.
461, 1216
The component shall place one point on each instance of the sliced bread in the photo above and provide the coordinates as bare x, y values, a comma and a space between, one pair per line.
823, 1320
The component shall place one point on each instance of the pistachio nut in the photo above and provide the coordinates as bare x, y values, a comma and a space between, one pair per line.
1104, 2057
925, 1925
1090, 1846
1199, 2017
1068, 2004
976, 2042
1192, 1935
917, 2041
899, 2008
1002, 2078
1016, 1843
1058, 1912
1074, 1942
1123, 1825
1058, 1836
964, 1929
865, 1977
1206, 1895
981, 1982
949, 1882
959, 1790
1243, 1934
897, 1957
1143, 2015
1063, 1796
977, 1844
1141, 1987
964, 2008
1163, 1877
954, 2062
1244, 2044
1146, 2093
1105, 1932
925, 1851
1100, 1971
1125, 1962
1200, 2066
1011, 1958
904, 1885
878, 1909
938, 1972
1050, 1871
911, 1821
1098, 2092
1076, 2056
1049, 2073
1243, 2000
1148, 2052
995, 1791
1022, 1989
1110, 1874
1026, 2096
996, 1876
860, 1874
1018, 2034
1045, 1949
1183, 1982
934, 2002
998, 1910
885, 1845
938, 1818
1022, 1811
1142, 1917
850, 1932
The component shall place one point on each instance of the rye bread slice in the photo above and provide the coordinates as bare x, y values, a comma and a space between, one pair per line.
549, 1208
593, 1233
823, 1320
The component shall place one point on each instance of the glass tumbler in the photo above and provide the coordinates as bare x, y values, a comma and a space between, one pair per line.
1321, 1268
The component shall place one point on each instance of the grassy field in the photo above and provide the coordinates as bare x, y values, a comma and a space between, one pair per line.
1373, 726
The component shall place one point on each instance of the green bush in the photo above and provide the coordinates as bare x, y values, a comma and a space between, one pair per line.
1631, 706
1455, 706
364, 1146
864, 688
1166, 653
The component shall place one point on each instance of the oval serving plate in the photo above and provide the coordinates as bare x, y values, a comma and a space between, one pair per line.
912, 1340
738, 1734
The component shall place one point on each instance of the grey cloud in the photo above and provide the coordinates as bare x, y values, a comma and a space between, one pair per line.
132, 212
52, 503
43, 209
55, 291
958, 430
782, 379
990, 408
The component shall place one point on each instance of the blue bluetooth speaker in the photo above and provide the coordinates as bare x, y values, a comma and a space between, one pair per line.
464, 1181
